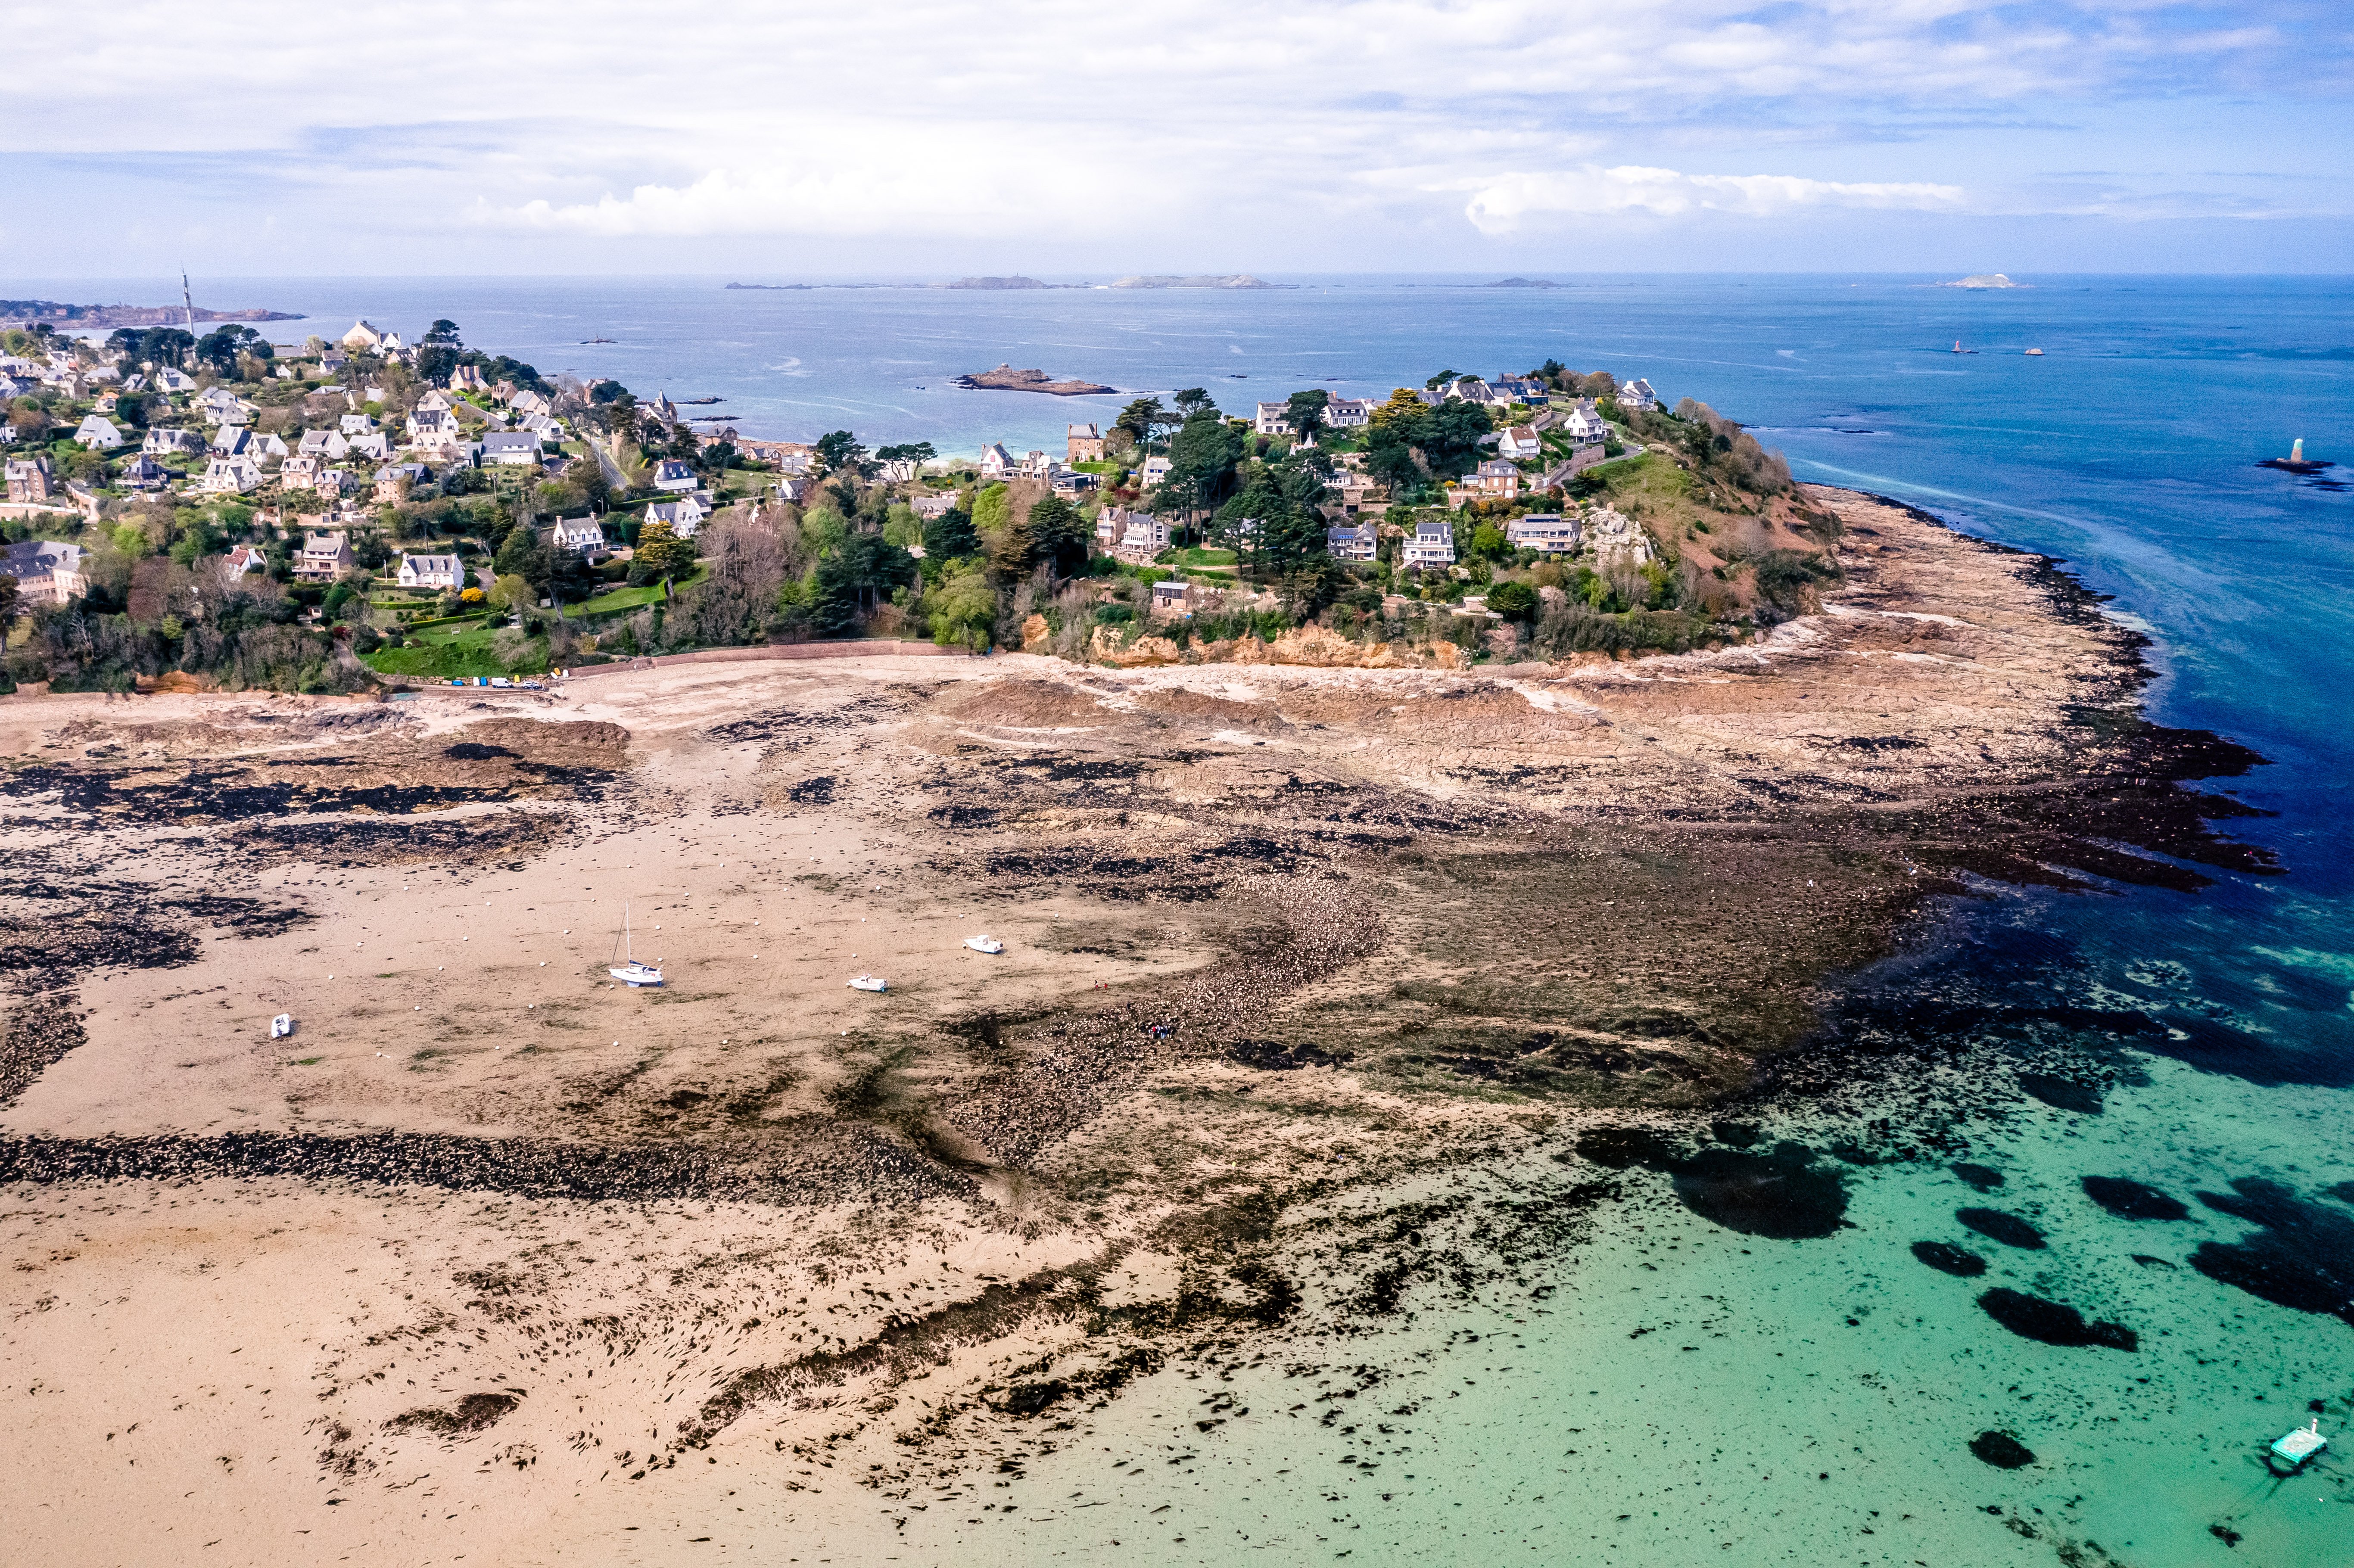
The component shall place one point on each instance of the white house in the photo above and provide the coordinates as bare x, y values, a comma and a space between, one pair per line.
685, 515
1351, 543
996, 462
172, 380
362, 336
581, 536
373, 444
163, 442
329, 445
431, 572
434, 431
242, 441
796, 490
515, 448
1547, 532
97, 433
1518, 444
1583, 423
1273, 420
355, 424
671, 476
529, 402
1349, 413
1038, 465
436, 402
297, 471
1433, 545
1154, 471
1637, 393
245, 558
230, 475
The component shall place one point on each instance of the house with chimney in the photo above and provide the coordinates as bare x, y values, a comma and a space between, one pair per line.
1085, 444
446, 572
47, 571
323, 557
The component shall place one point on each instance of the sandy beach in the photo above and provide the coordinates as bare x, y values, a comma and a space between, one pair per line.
496, 1259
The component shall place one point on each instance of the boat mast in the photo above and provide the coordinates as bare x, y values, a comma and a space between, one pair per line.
187, 301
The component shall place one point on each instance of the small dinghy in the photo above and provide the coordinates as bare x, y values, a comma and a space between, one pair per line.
984, 944
2288, 1456
870, 983
629, 971
284, 1024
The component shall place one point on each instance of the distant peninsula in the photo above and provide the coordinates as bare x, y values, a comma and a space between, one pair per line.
1985, 281
1524, 283
1005, 378
18, 313
1237, 280
779, 287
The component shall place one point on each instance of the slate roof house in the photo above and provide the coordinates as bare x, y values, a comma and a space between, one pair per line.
1085, 444
47, 571
323, 557
582, 536
1433, 545
431, 572
670, 475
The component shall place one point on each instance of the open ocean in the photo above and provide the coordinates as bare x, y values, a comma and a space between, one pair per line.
1686, 1394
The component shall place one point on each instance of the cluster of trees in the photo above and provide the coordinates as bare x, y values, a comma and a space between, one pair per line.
1409, 442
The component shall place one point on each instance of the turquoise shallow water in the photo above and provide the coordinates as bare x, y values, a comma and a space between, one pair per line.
1823, 1411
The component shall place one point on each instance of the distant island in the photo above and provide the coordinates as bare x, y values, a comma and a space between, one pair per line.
1985, 281
1524, 283
21, 313
1005, 378
774, 286
1237, 280
1016, 281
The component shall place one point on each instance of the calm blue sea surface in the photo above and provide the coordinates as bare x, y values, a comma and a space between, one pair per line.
1689, 1394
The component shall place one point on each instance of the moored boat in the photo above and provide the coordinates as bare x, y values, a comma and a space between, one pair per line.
2289, 1456
631, 971
870, 983
984, 944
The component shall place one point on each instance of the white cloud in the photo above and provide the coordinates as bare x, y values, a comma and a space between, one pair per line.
1512, 202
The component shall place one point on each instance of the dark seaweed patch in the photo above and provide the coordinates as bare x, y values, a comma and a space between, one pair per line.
1996, 1225
1279, 1055
2001, 1450
818, 792
1978, 1178
2301, 1257
1947, 1258
1783, 1193
472, 1414
475, 751
2052, 1322
2133, 1200
2062, 1094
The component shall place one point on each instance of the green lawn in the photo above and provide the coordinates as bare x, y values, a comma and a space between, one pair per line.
1199, 556
443, 658
620, 599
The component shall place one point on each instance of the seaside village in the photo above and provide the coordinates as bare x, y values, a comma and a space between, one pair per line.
189, 509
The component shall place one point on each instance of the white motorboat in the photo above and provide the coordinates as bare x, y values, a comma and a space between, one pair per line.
631, 971
2289, 1455
984, 944
870, 983
282, 1026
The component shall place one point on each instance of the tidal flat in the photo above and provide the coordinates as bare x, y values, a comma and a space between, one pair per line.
1330, 995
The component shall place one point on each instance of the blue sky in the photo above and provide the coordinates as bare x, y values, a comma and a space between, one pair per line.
1374, 135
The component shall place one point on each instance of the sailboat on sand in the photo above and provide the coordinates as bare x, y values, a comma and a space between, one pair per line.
631, 971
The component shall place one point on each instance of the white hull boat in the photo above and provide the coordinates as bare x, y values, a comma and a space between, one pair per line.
282, 1026
870, 983
631, 971
984, 944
